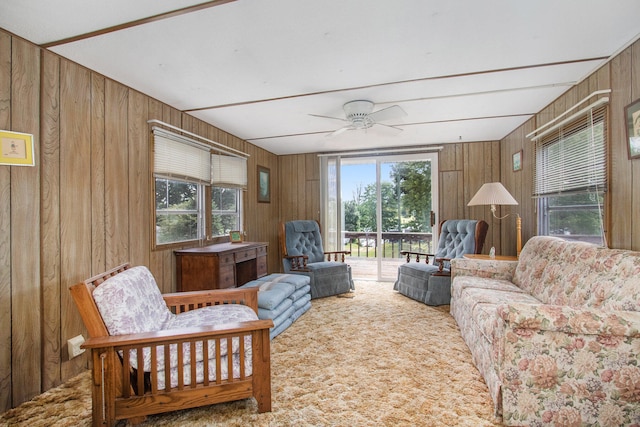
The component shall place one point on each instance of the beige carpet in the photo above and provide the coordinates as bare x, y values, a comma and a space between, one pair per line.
378, 359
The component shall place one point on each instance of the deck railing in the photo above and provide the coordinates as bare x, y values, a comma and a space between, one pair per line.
364, 244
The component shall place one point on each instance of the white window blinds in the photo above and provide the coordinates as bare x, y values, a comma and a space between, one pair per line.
228, 171
572, 158
176, 156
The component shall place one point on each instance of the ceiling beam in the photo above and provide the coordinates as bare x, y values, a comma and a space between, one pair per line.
450, 76
142, 21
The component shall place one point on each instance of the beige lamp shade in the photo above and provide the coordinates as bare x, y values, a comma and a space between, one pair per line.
492, 193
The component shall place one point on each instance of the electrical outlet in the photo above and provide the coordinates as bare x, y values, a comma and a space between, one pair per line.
73, 346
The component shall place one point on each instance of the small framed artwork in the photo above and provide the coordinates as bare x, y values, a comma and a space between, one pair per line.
264, 185
16, 149
235, 236
517, 161
632, 113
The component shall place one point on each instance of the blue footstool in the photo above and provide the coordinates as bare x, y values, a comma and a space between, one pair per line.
282, 298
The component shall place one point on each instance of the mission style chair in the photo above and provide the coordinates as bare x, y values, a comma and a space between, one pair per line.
154, 353
430, 283
303, 253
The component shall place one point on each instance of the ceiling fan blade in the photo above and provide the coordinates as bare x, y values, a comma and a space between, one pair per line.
389, 113
339, 131
328, 117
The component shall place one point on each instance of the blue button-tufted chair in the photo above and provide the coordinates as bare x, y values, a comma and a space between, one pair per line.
431, 283
302, 251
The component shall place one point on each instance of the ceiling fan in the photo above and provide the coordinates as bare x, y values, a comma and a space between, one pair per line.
360, 115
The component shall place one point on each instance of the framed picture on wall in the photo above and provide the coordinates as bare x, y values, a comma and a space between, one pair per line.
517, 161
264, 185
16, 149
632, 113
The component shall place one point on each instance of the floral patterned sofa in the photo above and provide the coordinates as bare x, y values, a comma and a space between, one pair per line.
556, 334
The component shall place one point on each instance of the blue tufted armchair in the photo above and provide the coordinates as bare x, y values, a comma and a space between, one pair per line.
431, 283
303, 254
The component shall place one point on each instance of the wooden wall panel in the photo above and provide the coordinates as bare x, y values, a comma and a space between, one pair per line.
139, 194
25, 219
116, 174
98, 232
5, 224
50, 219
75, 198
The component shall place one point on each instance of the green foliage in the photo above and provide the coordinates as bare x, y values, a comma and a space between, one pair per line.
405, 200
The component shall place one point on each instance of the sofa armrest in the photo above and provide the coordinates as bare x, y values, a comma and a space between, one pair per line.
488, 269
565, 319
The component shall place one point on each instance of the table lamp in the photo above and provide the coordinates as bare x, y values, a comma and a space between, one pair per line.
494, 193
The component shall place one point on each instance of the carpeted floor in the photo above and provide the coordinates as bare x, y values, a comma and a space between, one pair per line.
378, 359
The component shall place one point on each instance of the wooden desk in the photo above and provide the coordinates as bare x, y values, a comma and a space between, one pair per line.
226, 265
487, 257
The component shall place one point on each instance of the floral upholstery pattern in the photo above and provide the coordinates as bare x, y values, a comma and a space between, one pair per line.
131, 302
556, 335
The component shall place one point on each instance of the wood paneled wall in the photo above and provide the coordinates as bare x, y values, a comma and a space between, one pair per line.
622, 213
85, 206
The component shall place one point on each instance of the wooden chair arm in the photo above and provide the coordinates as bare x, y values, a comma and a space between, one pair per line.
180, 302
418, 255
173, 336
335, 255
298, 262
440, 262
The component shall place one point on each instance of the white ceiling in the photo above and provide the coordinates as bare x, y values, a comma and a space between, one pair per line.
463, 70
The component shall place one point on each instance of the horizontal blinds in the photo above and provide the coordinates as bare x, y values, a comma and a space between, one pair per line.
228, 171
572, 158
178, 157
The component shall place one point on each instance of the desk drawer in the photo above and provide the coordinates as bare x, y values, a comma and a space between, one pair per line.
262, 250
245, 255
227, 278
226, 259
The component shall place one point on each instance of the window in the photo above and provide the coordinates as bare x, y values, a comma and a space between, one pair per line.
198, 195
570, 179
225, 210
178, 211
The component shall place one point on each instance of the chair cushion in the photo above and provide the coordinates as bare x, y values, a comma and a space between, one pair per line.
130, 302
308, 241
417, 270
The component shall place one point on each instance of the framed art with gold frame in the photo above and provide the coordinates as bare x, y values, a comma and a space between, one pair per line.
235, 236
16, 149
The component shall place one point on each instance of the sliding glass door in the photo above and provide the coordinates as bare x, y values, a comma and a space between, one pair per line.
381, 206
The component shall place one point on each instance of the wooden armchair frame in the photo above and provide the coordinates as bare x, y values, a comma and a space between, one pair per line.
121, 392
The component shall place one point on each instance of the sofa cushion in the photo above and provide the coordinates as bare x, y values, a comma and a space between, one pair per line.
130, 302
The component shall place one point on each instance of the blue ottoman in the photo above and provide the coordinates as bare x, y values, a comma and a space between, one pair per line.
282, 298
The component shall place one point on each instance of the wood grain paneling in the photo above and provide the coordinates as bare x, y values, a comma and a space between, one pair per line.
5, 224
50, 219
98, 232
26, 307
75, 197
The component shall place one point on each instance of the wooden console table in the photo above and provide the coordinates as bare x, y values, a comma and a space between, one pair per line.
226, 265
